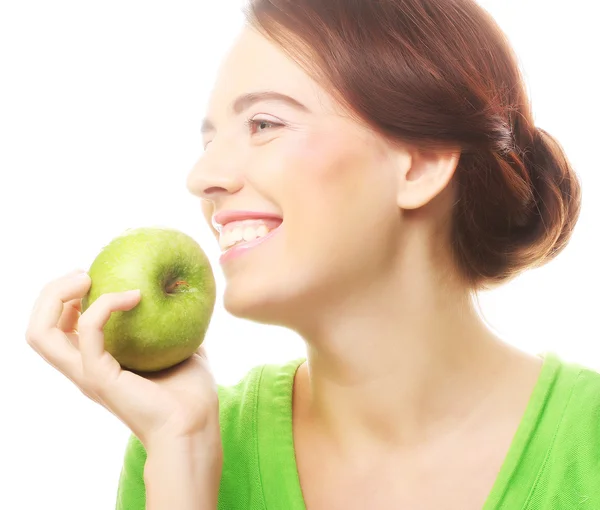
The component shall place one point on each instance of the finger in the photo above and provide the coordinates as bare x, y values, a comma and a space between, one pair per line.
70, 315
59, 352
75, 272
42, 333
50, 303
118, 390
201, 351
91, 334
74, 339
202, 357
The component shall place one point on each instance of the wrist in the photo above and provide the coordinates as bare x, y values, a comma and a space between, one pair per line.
202, 445
194, 454
183, 472
180, 434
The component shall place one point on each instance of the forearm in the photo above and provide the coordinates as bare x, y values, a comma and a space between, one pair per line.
184, 473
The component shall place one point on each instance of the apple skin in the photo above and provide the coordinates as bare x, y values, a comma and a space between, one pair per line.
178, 293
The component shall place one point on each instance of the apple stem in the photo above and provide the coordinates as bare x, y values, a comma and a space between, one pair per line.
174, 285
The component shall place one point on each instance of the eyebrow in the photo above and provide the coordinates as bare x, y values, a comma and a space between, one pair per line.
245, 101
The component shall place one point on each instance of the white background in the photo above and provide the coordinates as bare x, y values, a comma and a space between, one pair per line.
100, 108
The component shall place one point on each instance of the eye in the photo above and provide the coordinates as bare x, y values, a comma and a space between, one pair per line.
261, 124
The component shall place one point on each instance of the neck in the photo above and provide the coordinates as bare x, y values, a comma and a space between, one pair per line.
391, 369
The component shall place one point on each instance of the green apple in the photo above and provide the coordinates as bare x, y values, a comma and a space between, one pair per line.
178, 293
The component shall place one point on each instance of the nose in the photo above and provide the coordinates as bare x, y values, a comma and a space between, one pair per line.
214, 176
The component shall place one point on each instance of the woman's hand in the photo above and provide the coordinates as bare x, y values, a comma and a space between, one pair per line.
176, 403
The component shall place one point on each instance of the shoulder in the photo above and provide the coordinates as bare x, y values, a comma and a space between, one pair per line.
238, 416
580, 424
570, 473
263, 382
243, 406
246, 414
582, 401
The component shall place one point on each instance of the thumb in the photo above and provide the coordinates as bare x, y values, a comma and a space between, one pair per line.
98, 365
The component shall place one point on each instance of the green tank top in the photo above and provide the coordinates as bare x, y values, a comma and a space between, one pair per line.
552, 463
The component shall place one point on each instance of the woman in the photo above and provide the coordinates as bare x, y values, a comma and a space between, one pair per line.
368, 167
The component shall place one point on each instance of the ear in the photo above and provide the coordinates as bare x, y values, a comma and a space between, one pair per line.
424, 175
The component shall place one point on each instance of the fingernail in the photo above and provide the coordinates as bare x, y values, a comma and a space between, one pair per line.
75, 272
82, 276
135, 292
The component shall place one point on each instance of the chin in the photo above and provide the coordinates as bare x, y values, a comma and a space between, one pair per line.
249, 309
259, 304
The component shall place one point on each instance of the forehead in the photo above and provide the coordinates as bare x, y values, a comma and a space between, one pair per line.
255, 64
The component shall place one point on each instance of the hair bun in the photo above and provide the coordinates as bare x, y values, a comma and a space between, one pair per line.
557, 194
516, 210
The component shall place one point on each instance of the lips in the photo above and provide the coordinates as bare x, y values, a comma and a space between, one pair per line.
222, 218
241, 231
237, 232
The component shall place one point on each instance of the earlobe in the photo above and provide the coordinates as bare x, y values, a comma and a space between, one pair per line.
425, 177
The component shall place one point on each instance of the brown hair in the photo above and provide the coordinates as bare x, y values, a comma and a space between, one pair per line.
443, 74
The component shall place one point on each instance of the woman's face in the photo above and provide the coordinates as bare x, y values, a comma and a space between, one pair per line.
325, 185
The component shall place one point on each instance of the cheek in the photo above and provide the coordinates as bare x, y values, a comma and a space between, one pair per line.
320, 164
338, 202
314, 182
339, 175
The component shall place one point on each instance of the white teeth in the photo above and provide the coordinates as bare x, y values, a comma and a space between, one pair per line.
237, 234
249, 234
240, 234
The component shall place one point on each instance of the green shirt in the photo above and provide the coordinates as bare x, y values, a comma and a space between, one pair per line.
553, 461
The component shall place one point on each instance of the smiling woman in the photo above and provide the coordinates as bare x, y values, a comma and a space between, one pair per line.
369, 166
